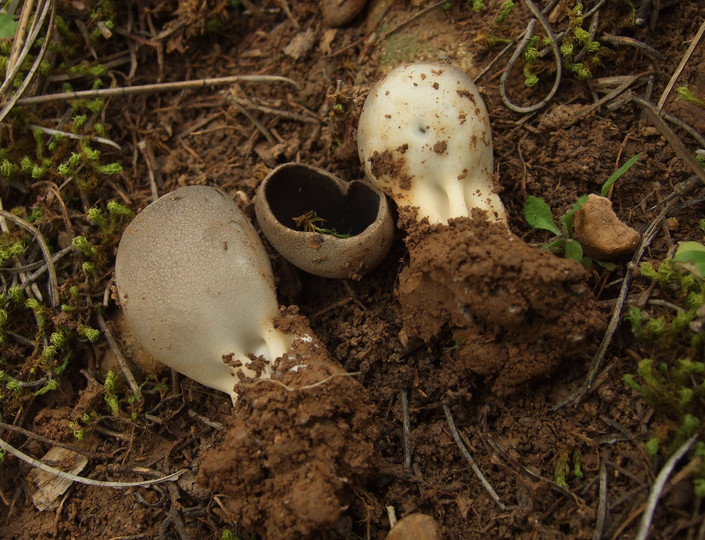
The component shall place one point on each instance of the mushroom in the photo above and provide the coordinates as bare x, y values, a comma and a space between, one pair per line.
345, 230
424, 139
516, 312
196, 288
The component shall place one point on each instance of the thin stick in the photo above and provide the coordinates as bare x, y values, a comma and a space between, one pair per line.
148, 156
118, 355
154, 88
45, 440
470, 460
69, 135
260, 127
406, 426
671, 137
20, 45
520, 49
80, 479
53, 280
616, 314
658, 486
681, 65
276, 112
7, 106
602, 504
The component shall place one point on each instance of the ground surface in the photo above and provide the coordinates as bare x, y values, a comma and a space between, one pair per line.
511, 426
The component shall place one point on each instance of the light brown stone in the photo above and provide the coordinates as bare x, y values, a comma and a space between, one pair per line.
415, 527
601, 233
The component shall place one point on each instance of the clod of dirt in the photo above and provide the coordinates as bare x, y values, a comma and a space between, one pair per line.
516, 312
415, 527
340, 12
601, 233
298, 446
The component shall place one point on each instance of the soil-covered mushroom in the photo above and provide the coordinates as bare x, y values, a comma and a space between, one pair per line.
424, 138
196, 287
515, 312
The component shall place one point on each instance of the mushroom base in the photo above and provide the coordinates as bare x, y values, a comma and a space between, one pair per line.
298, 446
515, 312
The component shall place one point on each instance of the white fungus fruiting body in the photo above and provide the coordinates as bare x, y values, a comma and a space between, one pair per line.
196, 285
424, 138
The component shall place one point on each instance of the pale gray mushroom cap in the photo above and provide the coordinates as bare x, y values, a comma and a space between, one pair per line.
424, 139
195, 284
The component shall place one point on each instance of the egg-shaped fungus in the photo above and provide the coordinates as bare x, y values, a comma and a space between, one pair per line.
424, 139
196, 288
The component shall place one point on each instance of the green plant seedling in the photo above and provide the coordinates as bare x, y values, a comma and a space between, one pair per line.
312, 222
539, 215
619, 172
685, 93
692, 256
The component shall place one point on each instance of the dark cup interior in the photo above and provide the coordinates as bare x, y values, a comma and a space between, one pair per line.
295, 190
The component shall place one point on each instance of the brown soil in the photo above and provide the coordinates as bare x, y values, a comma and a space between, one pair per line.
515, 312
302, 443
499, 342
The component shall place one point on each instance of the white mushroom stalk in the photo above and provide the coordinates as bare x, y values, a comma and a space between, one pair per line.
424, 139
196, 288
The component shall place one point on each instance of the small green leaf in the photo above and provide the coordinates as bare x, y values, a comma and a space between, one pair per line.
619, 172
556, 246
8, 25
693, 255
607, 265
538, 215
568, 219
573, 250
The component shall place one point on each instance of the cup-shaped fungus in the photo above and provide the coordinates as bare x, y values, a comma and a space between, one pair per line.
424, 138
515, 311
321, 224
196, 285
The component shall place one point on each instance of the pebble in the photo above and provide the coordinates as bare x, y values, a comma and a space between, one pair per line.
601, 233
415, 527
340, 12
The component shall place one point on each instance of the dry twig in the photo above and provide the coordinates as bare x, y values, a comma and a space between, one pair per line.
122, 362
406, 426
155, 88
80, 479
658, 486
468, 457
681, 65
520, 49
53, 280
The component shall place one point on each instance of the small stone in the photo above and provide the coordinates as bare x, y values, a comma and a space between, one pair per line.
340, 12
601, 233
415, 527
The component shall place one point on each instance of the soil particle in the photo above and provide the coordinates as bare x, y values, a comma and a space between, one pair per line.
298, 446
516, 312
